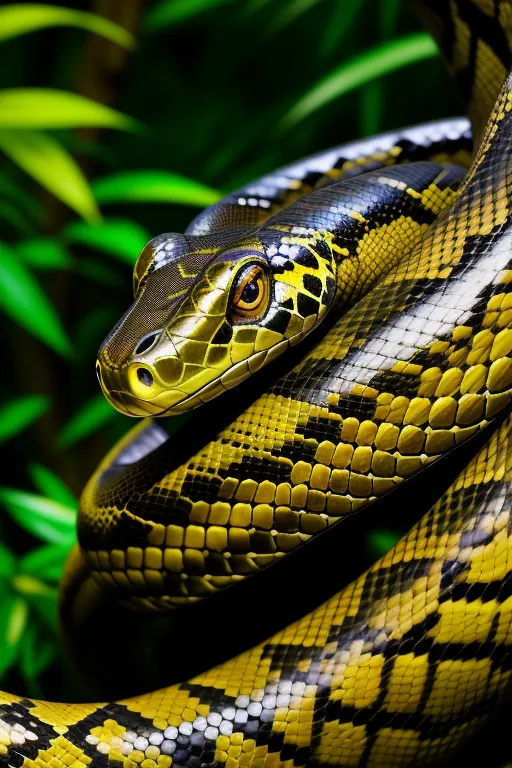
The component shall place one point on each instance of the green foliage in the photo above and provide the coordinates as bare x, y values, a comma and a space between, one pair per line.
198, 106
19, 19
17, 414
361, 70
153, 187
121, 238
22, 298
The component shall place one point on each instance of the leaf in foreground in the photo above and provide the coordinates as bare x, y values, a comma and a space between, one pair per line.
43, 253
94, 414
45, 563
42, 517
52, 166
361, 69
13, 619
23, 299
35, 108
18, 19
49, 484
121, 238
18, 414
152, 187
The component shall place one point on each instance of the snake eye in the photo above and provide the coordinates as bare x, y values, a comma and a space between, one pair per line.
251, 294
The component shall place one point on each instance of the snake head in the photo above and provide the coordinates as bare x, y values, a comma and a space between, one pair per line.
203, 321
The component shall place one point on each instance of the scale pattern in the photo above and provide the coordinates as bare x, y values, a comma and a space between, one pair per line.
404, 664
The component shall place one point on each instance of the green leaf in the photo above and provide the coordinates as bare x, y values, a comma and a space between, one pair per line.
361, 69
37, 651
152, 187
18, 19
46, 563
121, 238
7, 562
94, 414
40, 516
169, 12
22, 298
41, 597
50, 485
13, 619
43, 253
52, 166
289, 13
16, 415
29, 108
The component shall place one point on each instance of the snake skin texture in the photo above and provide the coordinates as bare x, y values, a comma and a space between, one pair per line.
404, 664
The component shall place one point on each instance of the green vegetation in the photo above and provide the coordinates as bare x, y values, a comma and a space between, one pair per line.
113, 131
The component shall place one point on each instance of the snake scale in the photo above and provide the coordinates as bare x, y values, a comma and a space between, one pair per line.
397, 264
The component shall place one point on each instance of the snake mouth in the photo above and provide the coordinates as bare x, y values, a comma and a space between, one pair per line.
174, 401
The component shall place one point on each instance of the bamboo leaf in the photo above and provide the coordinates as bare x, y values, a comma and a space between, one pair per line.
41, 597
46, 563
52, 166
289, 13
13, 619
37, 651
169, 12
18, 19
7, 562
152, 187
22, 298
94, 414
18, 414
361, 69
36, 108
49, 484
43, 253
40, 516
121, 238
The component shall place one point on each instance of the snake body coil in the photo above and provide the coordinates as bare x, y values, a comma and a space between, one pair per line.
401, 666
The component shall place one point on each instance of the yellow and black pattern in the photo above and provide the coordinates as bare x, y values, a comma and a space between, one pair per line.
395, 670
412, 370
323, 251
409, 660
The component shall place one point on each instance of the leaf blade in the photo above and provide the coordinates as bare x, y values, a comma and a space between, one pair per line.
169, 12
18, 19
52, 166
121, 238
49, 484
42, 517
145, 186
23, 299
19, 413
359, 70
94, 414
36, 108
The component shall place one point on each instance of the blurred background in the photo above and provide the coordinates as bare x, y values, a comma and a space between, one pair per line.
119, 121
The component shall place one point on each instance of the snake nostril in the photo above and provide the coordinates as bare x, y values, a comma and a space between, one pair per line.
98, 371
146, 343
144, 377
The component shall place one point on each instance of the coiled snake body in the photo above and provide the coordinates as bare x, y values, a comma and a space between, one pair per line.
401, 666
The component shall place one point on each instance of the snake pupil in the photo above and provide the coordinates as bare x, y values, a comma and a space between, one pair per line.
144, 377
250, 292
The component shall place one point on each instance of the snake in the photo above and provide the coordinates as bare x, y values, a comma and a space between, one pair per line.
359, 302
